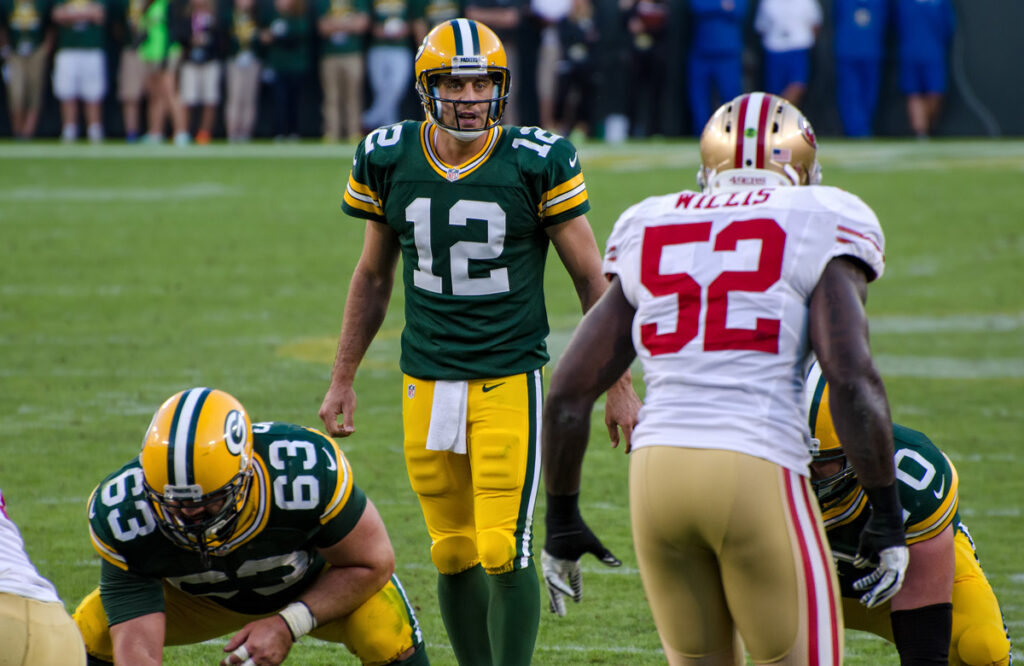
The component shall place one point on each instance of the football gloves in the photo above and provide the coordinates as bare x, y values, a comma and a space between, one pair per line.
882, 546
568, 539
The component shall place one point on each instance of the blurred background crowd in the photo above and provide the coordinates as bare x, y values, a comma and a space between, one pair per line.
194, 70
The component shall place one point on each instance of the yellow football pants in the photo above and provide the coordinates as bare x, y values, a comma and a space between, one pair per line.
478, 506
979, 635
377, 632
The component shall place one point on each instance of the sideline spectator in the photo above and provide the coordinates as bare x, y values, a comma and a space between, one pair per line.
131, 72
716, 57
504, 18
577, 72
860, 32
26, 40
80, 66
431, 13
202, 39
647, 23
549, 14
341, 27
788, 30
243, 71
388, 61
161, 59
925, 30
287, 34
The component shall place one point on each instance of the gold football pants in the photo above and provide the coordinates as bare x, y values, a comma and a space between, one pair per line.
377, 632
979, 635
37, 633
478, 506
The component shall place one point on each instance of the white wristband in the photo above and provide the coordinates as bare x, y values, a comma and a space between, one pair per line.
299, 619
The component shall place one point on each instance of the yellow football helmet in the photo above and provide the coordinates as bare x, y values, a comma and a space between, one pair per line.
757, 140
461, 47
825, 445
197, 459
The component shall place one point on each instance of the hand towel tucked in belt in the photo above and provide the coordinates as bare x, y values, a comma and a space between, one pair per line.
447, 430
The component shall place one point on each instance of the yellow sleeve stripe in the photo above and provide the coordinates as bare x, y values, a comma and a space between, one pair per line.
941, 517
570, 184
566, 196
360, 197
107, 552
343, 489
568, 204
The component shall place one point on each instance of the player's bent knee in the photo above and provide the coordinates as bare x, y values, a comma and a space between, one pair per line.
92, 623
455, 554
497, 551
984, 645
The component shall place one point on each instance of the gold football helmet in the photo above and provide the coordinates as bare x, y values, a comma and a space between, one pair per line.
757, 140
825, 445
461, 47
197, 459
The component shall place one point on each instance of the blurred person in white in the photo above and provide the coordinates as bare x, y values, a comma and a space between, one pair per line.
243, 71
549, 13
788, 30
388, 61
80, 66
35, 629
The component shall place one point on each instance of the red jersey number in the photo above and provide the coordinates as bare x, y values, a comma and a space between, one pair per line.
764, 337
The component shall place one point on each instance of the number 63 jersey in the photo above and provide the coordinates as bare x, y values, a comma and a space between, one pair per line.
721, 285
473, 242
303, 496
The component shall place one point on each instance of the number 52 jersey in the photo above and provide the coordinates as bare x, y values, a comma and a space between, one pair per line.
303, 496
721, 285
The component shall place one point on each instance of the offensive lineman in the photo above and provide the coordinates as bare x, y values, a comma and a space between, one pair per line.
220, 526
946, 611
471, 207
723, 294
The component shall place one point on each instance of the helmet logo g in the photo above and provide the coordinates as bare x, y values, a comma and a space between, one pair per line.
234, 432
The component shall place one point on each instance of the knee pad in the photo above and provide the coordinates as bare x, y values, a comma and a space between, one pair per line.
983, 645
92, 622
497, 551
454, 554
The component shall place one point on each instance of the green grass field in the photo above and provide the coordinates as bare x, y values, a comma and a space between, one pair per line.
129, 273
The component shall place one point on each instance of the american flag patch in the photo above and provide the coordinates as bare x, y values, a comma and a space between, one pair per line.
781, 154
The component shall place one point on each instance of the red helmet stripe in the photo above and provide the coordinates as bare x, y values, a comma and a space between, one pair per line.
738, 161
762, 129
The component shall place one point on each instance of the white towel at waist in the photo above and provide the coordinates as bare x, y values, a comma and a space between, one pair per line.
447, 430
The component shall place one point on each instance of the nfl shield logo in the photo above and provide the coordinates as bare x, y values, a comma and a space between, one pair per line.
452, 176
412, 391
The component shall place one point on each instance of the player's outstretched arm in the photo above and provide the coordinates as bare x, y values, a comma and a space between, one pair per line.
598, 354
365, 307
860, 412
139, 640
361, 564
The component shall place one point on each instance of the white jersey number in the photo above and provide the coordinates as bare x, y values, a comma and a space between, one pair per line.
690, 304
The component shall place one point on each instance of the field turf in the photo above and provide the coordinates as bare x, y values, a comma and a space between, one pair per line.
128, 273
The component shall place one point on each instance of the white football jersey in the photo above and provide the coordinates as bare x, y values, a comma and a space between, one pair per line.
721, 284
17, 574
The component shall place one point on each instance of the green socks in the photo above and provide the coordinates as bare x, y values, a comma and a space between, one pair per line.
463, 600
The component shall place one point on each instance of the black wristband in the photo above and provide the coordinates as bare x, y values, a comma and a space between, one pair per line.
885, 505
922, 635
563, 511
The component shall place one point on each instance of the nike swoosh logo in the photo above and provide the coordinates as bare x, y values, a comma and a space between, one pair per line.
572, 162
492, 386
331, 465
942, 486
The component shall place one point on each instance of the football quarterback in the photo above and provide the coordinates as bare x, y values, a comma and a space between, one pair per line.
220, 525
946, 608
722, 295
470, 207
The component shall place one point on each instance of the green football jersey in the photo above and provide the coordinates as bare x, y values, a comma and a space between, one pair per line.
302, 497
473, 242
927, 483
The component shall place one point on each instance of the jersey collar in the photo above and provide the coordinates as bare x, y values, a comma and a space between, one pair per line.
428, 135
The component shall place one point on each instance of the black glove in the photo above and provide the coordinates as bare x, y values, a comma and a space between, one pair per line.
882, 546
568, 539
